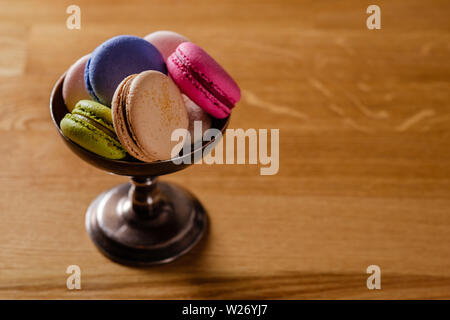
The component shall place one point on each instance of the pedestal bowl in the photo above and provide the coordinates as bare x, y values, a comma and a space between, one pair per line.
146, 221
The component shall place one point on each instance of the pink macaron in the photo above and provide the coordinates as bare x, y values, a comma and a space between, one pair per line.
74, 89
165, 41
203, 80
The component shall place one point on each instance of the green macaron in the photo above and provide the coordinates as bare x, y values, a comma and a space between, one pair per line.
90, 126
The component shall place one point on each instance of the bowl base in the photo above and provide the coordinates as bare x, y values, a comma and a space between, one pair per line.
177, 225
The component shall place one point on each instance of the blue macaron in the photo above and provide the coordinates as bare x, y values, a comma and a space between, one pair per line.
116, 59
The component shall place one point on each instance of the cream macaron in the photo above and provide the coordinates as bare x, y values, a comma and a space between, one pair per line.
196, 114
74, 89
146, 109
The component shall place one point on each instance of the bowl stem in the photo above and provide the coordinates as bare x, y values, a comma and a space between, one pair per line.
145, 197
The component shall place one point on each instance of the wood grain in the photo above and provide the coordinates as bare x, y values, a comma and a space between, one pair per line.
364, 152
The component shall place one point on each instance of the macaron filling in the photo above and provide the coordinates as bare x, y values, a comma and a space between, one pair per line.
132, 145
202, 79
123, 104
100, 118
95, 124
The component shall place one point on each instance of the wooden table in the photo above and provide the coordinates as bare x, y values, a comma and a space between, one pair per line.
364, 179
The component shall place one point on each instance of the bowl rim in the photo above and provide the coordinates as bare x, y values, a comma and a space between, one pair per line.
59, 83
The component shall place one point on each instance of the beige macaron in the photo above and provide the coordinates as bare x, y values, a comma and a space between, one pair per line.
146, 109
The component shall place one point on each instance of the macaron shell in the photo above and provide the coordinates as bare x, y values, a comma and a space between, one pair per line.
116, 59
195, 59
211, 70
194, 90
87, 82
118, 110
165, 41
74, 88
154, 110
91, 138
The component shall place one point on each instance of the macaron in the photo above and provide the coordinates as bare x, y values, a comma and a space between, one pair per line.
165, 41
146, 109
195, 113
114, 60
90, 126
203, 80
73, 89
